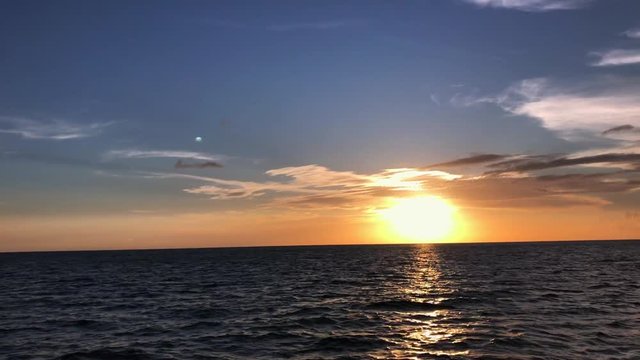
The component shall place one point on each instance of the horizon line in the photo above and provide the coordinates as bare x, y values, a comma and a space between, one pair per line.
326, 245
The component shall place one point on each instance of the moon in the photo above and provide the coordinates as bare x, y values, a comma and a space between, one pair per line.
198, 139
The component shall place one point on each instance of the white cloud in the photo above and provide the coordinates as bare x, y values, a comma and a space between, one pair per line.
617, 57
532, 5
315, 187
570, 112
50, 130
175, 154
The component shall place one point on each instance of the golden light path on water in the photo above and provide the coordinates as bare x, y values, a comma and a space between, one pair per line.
433, 333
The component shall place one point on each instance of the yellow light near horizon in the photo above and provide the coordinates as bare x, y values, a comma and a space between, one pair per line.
419, 219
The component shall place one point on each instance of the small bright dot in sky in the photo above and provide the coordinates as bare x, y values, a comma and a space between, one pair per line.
198, 139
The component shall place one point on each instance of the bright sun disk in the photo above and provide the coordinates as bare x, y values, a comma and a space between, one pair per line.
417, 219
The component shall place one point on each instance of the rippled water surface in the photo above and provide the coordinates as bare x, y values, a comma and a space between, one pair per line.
511, 301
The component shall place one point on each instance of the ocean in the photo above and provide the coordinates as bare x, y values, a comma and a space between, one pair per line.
560, 300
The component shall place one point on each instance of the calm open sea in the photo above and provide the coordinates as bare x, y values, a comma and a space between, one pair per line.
490, 301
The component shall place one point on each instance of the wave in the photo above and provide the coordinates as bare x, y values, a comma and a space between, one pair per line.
361, 302
349, 343
407, 305
108, 354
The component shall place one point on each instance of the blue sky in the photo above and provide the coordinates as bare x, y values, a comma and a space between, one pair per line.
98, 100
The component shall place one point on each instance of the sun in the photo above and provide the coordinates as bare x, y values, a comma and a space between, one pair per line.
419, 219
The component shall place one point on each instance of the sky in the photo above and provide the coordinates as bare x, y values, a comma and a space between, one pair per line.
168, 124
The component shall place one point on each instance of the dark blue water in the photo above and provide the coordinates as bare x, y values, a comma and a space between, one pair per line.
510, 301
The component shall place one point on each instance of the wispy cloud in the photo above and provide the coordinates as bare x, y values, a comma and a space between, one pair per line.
304, 186
617, 57
632, 33
316, 25
471, 160
525, 164
533, 5
197, 165
505, 181
619, 129
571, 112
435, 99
55, 129
174, 154
524, 181
623, 132
101, 166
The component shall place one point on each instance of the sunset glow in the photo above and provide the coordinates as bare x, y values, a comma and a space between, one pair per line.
419, 219
280, 124
319, 179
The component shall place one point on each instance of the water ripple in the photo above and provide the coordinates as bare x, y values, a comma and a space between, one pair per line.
511, 301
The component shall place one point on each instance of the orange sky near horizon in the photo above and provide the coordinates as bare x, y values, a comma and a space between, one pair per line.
231, 229
216, 124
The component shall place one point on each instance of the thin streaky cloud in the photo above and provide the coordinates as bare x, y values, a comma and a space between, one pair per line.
617, 57
174, 154
180, 164
101, 166
510, 182
470, 160
632, 33
316, 180
625, 148
533, 5
55, 129
624, 132
622, 128
318, 187
624, 161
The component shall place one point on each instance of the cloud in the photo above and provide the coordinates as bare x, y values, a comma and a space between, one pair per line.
46, 158
175, 154
526, 192
533, 5
623, 132
632, 33
100, 166
55, 129
471, 160
107, 162
317, 25
516, 182
572, 113
618, 129
199, 165
624, 148
507, 181
309, 183
617, 57
524, 164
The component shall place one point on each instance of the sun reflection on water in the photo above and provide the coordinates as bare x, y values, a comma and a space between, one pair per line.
438, 332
